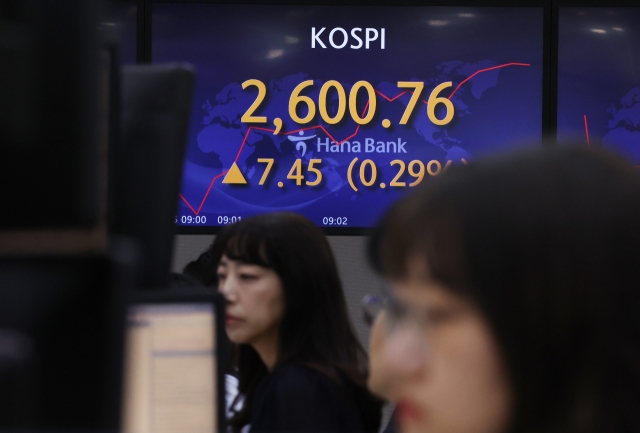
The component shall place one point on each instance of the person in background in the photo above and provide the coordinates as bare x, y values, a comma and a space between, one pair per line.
202, 269
515, 291
379, 381
300, 365
201, 273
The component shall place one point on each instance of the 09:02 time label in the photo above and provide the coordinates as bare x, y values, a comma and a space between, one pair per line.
334, 221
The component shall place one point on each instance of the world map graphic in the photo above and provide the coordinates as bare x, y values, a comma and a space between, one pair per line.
223, 139
623, 128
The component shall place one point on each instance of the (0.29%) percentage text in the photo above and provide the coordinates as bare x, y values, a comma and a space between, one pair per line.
368, 172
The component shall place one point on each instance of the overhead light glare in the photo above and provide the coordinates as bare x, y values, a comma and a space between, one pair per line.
273, 54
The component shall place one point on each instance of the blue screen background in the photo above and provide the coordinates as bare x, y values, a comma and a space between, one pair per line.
599, 77
498, 108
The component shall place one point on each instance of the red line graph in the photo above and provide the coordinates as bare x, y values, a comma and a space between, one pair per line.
486, 70
366, 107
586, 130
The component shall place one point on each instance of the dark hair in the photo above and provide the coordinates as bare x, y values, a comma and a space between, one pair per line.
203, 269
547, 244
315, 330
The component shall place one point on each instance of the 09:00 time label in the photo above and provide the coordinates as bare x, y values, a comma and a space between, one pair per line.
188, 219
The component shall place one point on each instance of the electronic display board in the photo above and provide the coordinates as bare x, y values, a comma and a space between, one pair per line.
336, 111
599, 78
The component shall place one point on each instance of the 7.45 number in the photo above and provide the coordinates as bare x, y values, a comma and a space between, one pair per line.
296, 172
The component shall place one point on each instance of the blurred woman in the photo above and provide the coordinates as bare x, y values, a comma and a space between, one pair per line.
300, 365
515, 292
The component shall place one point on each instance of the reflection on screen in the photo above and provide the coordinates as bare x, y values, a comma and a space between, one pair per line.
170, 369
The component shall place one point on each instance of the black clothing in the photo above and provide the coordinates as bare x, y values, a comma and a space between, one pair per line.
295, 398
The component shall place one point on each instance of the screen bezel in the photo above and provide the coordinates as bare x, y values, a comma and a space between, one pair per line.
548, 122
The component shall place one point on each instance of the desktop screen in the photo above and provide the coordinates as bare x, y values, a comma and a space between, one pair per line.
170, 369
335, 112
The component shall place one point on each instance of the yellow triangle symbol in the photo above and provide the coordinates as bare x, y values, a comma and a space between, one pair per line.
234, 176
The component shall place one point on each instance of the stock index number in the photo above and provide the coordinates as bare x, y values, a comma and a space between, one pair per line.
361, 116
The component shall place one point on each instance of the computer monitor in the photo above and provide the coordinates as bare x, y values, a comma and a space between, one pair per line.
174, 361
599, 78
48, 121
61, 341
146, 164
336, 111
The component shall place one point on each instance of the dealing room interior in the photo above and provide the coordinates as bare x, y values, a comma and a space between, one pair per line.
325, 216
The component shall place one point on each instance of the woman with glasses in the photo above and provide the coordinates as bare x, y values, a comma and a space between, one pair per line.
515, 297
300, 365
379, 381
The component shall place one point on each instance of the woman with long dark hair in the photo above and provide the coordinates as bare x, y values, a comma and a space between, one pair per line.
300, 365
515, 297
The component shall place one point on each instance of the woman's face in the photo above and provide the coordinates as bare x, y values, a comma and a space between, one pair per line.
447, 370
255, 302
